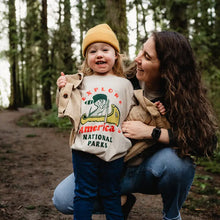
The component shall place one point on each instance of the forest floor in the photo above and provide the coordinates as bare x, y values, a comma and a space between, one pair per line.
34, 160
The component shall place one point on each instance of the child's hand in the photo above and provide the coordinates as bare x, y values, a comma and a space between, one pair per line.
160, 107
61, 81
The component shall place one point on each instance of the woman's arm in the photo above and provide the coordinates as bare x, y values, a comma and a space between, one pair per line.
138, 130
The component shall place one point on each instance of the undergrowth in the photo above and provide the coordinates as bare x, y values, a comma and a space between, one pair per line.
42, 118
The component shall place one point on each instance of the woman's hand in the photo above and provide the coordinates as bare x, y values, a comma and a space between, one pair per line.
136, 130
139, 131
61, 81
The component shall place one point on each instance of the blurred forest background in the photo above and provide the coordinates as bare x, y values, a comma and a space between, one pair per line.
37, 54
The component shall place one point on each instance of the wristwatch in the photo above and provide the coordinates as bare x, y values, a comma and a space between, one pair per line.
156, 133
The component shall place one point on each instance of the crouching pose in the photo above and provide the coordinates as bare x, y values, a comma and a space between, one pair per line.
166, 71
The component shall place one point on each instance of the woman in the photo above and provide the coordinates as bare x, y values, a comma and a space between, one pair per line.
166, 71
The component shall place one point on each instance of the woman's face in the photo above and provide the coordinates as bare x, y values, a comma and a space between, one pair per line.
148, 65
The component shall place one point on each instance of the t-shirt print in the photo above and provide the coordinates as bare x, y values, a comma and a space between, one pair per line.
105, 104
101, 116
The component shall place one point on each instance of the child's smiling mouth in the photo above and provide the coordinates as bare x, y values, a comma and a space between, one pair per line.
100, 62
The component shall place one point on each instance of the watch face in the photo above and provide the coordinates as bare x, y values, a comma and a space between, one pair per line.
156, 133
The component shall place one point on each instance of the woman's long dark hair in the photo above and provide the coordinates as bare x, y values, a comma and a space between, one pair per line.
189, 111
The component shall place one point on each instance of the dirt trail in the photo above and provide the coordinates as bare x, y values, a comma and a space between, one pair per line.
33, 161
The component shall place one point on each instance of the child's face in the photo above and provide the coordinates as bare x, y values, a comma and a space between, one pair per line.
101, 58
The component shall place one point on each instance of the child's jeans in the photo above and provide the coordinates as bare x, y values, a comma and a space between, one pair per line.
94, 176
164, 173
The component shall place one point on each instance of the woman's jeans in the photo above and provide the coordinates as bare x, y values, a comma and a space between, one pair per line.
163, 173
93, 177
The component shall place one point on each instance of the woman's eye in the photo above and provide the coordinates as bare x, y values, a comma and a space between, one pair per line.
146, 56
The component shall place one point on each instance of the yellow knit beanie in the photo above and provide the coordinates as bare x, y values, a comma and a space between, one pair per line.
100, 33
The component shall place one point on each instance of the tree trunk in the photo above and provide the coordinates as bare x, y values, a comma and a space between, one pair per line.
217, 34
28, 54
45, 75
138, 35
116, 18
81, 22
21, 69
32, 56
67, 38
13, 42
178, 17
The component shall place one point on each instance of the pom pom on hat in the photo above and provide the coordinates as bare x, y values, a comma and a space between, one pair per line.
100, 33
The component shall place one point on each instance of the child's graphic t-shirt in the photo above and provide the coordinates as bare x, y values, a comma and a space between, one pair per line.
106, 102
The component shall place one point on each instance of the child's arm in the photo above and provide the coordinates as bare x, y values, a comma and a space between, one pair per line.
61, 81
160, 107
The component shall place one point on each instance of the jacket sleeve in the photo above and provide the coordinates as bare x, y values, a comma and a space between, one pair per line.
63, 97
146, 112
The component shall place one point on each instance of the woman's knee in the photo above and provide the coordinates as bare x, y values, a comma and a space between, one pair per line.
60, 203
63, 195
179, 167
167, 162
